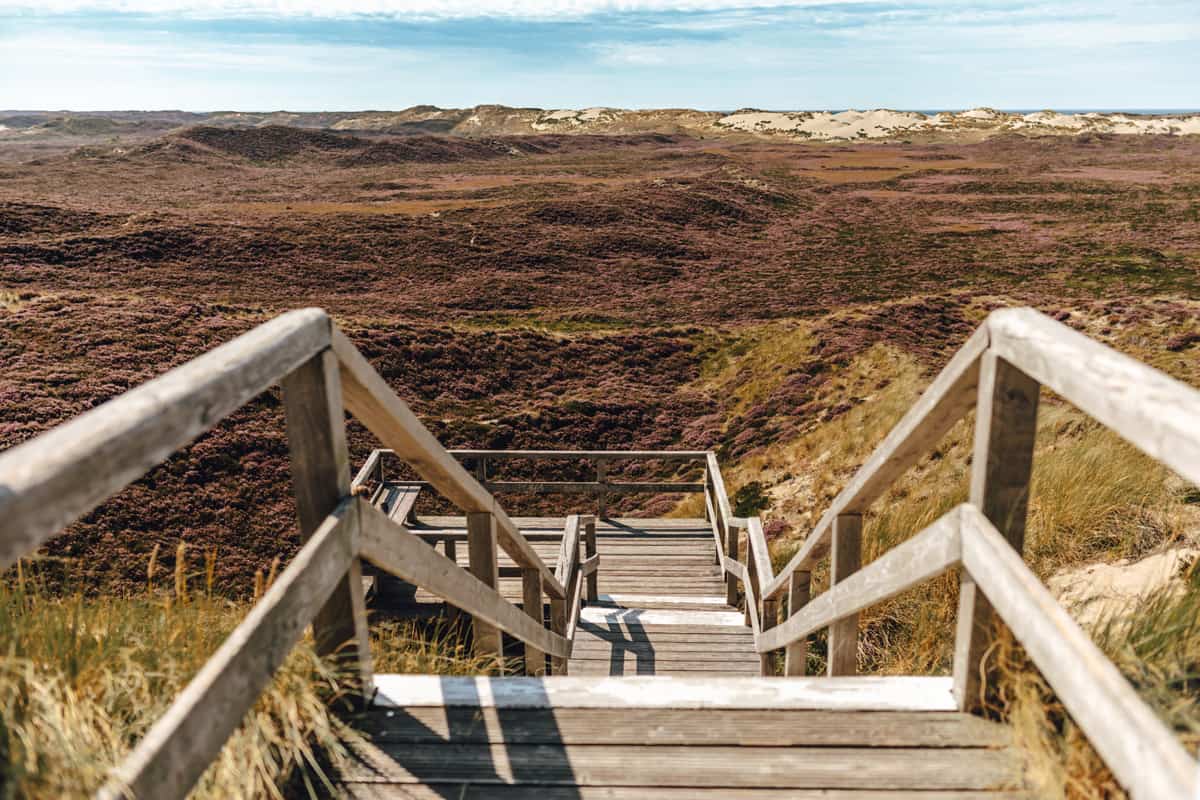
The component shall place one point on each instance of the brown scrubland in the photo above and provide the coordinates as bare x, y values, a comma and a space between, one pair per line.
782, 303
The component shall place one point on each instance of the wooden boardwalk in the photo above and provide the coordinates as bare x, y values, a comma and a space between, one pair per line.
661, 608
643, 679
676, 738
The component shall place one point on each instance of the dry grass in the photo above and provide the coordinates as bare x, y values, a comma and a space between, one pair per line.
83, 677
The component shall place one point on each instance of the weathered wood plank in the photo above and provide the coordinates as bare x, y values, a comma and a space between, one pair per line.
796, 653
846, 559
858, 693
948, 398
1154, 412
535, 659
320, 466
593, 487
174, 753
929, 553
481, 556
653, 726
1141, 751
1001, 466
390, 547
592, 561
672, 765
588, 455
57, 477
372, 401
464, 791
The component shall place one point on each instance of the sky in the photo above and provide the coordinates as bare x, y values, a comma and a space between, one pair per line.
308, 55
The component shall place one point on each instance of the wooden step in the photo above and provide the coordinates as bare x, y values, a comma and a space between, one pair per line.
858, 738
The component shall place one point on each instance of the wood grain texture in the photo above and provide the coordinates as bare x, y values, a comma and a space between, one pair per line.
713, 766
1154, 412
1001, 468
466, 791
846, 558
481, 558
57, 477
320, 466
858, 693
390, 547
697, 727
174, 753
1141, 751
531, 583
796, 653
929, 553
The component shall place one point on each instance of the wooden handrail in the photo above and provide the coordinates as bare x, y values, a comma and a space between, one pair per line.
1142, 752
1000, 370
392, 547
372, 401
57, 477
927, 555
1149, 409
174, 753
586, 455
949, 397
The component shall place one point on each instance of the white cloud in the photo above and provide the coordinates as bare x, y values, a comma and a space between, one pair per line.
525, 9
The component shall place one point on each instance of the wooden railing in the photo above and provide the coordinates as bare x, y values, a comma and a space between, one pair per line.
999, 371
376, 469
56, 478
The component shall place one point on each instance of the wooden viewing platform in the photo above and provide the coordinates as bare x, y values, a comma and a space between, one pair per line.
662, 658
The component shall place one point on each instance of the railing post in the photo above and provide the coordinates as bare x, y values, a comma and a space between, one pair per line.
601, 478
846, 557
770, 617
481, 551
1005, 431
589, 549
558, 624
320, 462
451, 552
752, 579
731, 552
799, 592
531, 591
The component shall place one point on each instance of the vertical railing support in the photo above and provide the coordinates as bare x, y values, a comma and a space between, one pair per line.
589, 550
558, 624
320, 461
752, 578
730, 534
846, 558
1005, 431
799, 593
770, 617
531, 593
481, 551
601, 479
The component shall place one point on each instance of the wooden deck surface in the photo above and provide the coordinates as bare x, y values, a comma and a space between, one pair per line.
839, 738
663, 700
662, 607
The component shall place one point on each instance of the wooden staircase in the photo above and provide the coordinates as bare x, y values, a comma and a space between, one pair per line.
676, 737
661, 665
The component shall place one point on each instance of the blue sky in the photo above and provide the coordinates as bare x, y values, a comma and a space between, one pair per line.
712, 54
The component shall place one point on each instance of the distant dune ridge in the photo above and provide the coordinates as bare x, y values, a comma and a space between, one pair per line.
496, 120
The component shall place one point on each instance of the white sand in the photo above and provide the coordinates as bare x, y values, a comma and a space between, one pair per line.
1099, 592
876, 124
575, 118
883, 123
